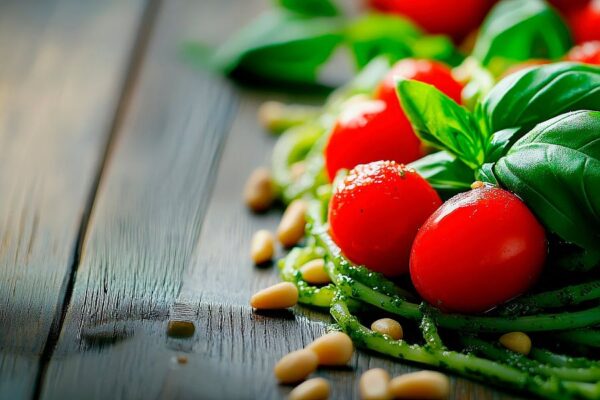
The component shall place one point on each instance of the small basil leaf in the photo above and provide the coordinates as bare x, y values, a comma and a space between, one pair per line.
517, 30
501, 141
444, 172
555, 169
324, 8
281, 46
436, 47
534, 95
486, 174
377, 34
479, 81
439, 121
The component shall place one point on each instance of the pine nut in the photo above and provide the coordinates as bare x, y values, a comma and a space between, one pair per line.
296, 366
516, 341
259, 192
297, 170
388, 326
477, 185
334, 348
291, 227
373, 385
180, 329
314, 272
281, 295
420, 385
263, 247
312, 389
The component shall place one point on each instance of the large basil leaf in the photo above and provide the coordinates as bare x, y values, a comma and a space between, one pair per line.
555, 169
281, 46
439, 121
534, 95
447, 174
310, 7
518, 30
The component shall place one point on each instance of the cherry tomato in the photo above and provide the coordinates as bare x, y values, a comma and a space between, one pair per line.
378, 130
568, 5
427, 71
368, 130
585, 22
375, 212
588, 53
455, 18
478, 250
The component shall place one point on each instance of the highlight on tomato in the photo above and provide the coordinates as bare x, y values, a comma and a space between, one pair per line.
375, 213
587, 53
373, 130
456, 18
479, 249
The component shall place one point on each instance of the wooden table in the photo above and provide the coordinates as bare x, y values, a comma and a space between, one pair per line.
121, 171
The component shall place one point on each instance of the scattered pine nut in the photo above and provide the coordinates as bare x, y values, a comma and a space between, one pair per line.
420, 385
334, 348
314, 272
296, 366
312, 389
279, 296
477, 185
373, 385
516, 341
388, 326
180, 329
181, 359
263, 247
293, 222
297, 170
259, 192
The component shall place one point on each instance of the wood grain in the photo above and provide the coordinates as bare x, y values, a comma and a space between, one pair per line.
145, 221
62, 66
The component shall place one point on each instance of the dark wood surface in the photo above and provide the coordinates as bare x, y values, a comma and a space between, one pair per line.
121, 172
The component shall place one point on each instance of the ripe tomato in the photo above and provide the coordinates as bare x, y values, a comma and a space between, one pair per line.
585, 22
375, 212
427, 71
478, 250
588, 53
456, 18
368, 130
568, 5
378, 130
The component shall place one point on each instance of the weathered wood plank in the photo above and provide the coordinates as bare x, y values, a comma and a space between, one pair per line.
62, 68
146, 218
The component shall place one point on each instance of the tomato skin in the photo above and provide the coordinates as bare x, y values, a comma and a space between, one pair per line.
479, 249
585, 22
456, 18
427, 71
368, 130
375, 212
587, 53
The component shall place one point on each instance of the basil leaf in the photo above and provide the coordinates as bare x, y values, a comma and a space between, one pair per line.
310, 7
439, 121
555, 169
517, 30
377, 34
281, 46
444, 172
534, 95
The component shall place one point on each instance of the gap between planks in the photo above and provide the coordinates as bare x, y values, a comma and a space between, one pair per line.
140, 46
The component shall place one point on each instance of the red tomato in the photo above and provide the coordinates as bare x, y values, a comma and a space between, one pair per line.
478, 250
374, 214
588, 53
585, 22
568, 5
366, 131
427, 71
455, 18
